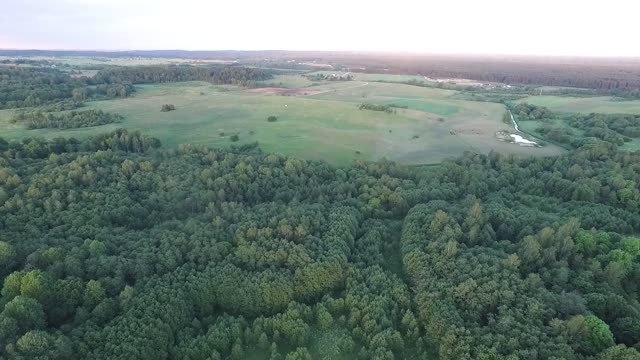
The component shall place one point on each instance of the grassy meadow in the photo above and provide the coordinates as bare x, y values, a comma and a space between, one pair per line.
374, 77
597, 104
290, 81
324, 124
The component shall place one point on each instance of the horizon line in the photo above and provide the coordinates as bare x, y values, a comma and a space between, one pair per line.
404, 52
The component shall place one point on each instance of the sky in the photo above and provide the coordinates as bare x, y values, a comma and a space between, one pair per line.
527, 27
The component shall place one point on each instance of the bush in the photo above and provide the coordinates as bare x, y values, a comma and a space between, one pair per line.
272, 119
167, 107
386, 108
234, 138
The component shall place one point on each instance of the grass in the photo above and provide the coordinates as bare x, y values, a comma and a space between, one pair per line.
375, 77
288, 81
434, 107
597, 104
325, 126
632, 146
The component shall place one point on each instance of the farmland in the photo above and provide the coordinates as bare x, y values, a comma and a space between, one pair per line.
320, 122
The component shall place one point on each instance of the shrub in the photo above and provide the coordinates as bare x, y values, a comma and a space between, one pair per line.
272, 119
167, 107
374, 107
234, 138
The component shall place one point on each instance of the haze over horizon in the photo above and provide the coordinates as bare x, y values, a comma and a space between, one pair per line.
548, 28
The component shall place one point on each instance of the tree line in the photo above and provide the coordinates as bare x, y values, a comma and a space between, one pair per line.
618, 76
43, 85
227, 74
67, 120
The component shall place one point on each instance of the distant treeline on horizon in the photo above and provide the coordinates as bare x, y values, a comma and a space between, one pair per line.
582, 72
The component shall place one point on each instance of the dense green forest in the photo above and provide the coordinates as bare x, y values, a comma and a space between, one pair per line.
37, 86
67, 120
237, 75
114, 248
620, 77
45, 85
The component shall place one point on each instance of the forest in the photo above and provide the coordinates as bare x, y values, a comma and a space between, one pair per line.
619, 77
236, 75
115, 248
39, 119
39, 86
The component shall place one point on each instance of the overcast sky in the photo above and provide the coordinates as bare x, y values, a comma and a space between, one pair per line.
543, 27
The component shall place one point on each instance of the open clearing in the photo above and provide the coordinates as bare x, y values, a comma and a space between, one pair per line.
290, 81
374, 77
598, 104
320, 122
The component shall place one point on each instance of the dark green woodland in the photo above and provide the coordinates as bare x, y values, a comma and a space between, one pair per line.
115, 247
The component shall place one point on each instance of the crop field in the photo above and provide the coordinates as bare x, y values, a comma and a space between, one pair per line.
321, 122
599, 104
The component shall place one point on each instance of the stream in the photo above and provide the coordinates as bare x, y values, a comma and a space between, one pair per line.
515, 124
517, 138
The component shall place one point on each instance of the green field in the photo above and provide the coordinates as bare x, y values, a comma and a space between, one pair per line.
598, 104
375, 77
288, 81
324, 125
